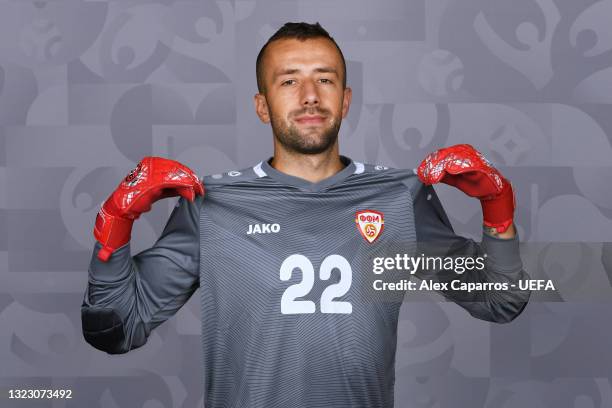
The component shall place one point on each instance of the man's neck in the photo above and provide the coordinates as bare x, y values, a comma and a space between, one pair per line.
311, 167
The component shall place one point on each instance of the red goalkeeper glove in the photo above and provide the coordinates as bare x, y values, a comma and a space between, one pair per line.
467, 169
153, 178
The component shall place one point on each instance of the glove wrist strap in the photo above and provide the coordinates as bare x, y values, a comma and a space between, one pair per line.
498, 212
111, 232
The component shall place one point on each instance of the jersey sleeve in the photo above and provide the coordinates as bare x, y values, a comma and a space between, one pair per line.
127, 296
502, 263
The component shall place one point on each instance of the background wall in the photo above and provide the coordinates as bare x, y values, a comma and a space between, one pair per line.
87, 88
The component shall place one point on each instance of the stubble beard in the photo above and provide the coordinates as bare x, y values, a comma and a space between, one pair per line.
308, 140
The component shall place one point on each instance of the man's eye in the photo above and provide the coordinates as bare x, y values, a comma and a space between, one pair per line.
287, 81
326, 80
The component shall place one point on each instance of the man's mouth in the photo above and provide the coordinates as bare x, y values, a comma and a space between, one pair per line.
310, 119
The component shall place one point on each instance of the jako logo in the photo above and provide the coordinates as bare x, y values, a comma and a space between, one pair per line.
263, 229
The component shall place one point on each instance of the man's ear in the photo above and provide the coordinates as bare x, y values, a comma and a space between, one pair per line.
346, 101
261, 107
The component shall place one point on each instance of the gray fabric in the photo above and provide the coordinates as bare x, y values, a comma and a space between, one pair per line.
256, 356
150, 287
435, 236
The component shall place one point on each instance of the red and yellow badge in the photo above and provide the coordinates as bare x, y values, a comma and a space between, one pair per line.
370, 224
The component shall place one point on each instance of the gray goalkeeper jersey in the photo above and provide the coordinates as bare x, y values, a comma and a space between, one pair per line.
290, 316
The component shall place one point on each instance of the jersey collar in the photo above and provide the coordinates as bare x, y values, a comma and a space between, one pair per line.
305, 184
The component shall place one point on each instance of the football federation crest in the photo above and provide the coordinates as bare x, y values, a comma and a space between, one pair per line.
370, 224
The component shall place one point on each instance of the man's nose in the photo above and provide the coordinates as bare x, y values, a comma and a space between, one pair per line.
310, 95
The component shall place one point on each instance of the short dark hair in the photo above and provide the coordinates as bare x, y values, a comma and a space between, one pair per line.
300, 31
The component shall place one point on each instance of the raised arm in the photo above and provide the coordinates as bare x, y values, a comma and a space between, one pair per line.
127, 297
465, 168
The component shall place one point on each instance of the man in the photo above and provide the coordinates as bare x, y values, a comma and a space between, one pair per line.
282, 252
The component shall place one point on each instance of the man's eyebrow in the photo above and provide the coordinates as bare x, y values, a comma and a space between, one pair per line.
289, 71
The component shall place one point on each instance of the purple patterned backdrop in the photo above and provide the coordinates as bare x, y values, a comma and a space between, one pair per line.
87, 88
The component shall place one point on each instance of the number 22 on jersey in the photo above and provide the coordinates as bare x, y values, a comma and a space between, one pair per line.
328, 304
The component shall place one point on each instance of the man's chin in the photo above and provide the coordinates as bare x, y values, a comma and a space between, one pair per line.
317, 147
308, 140
311, 150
